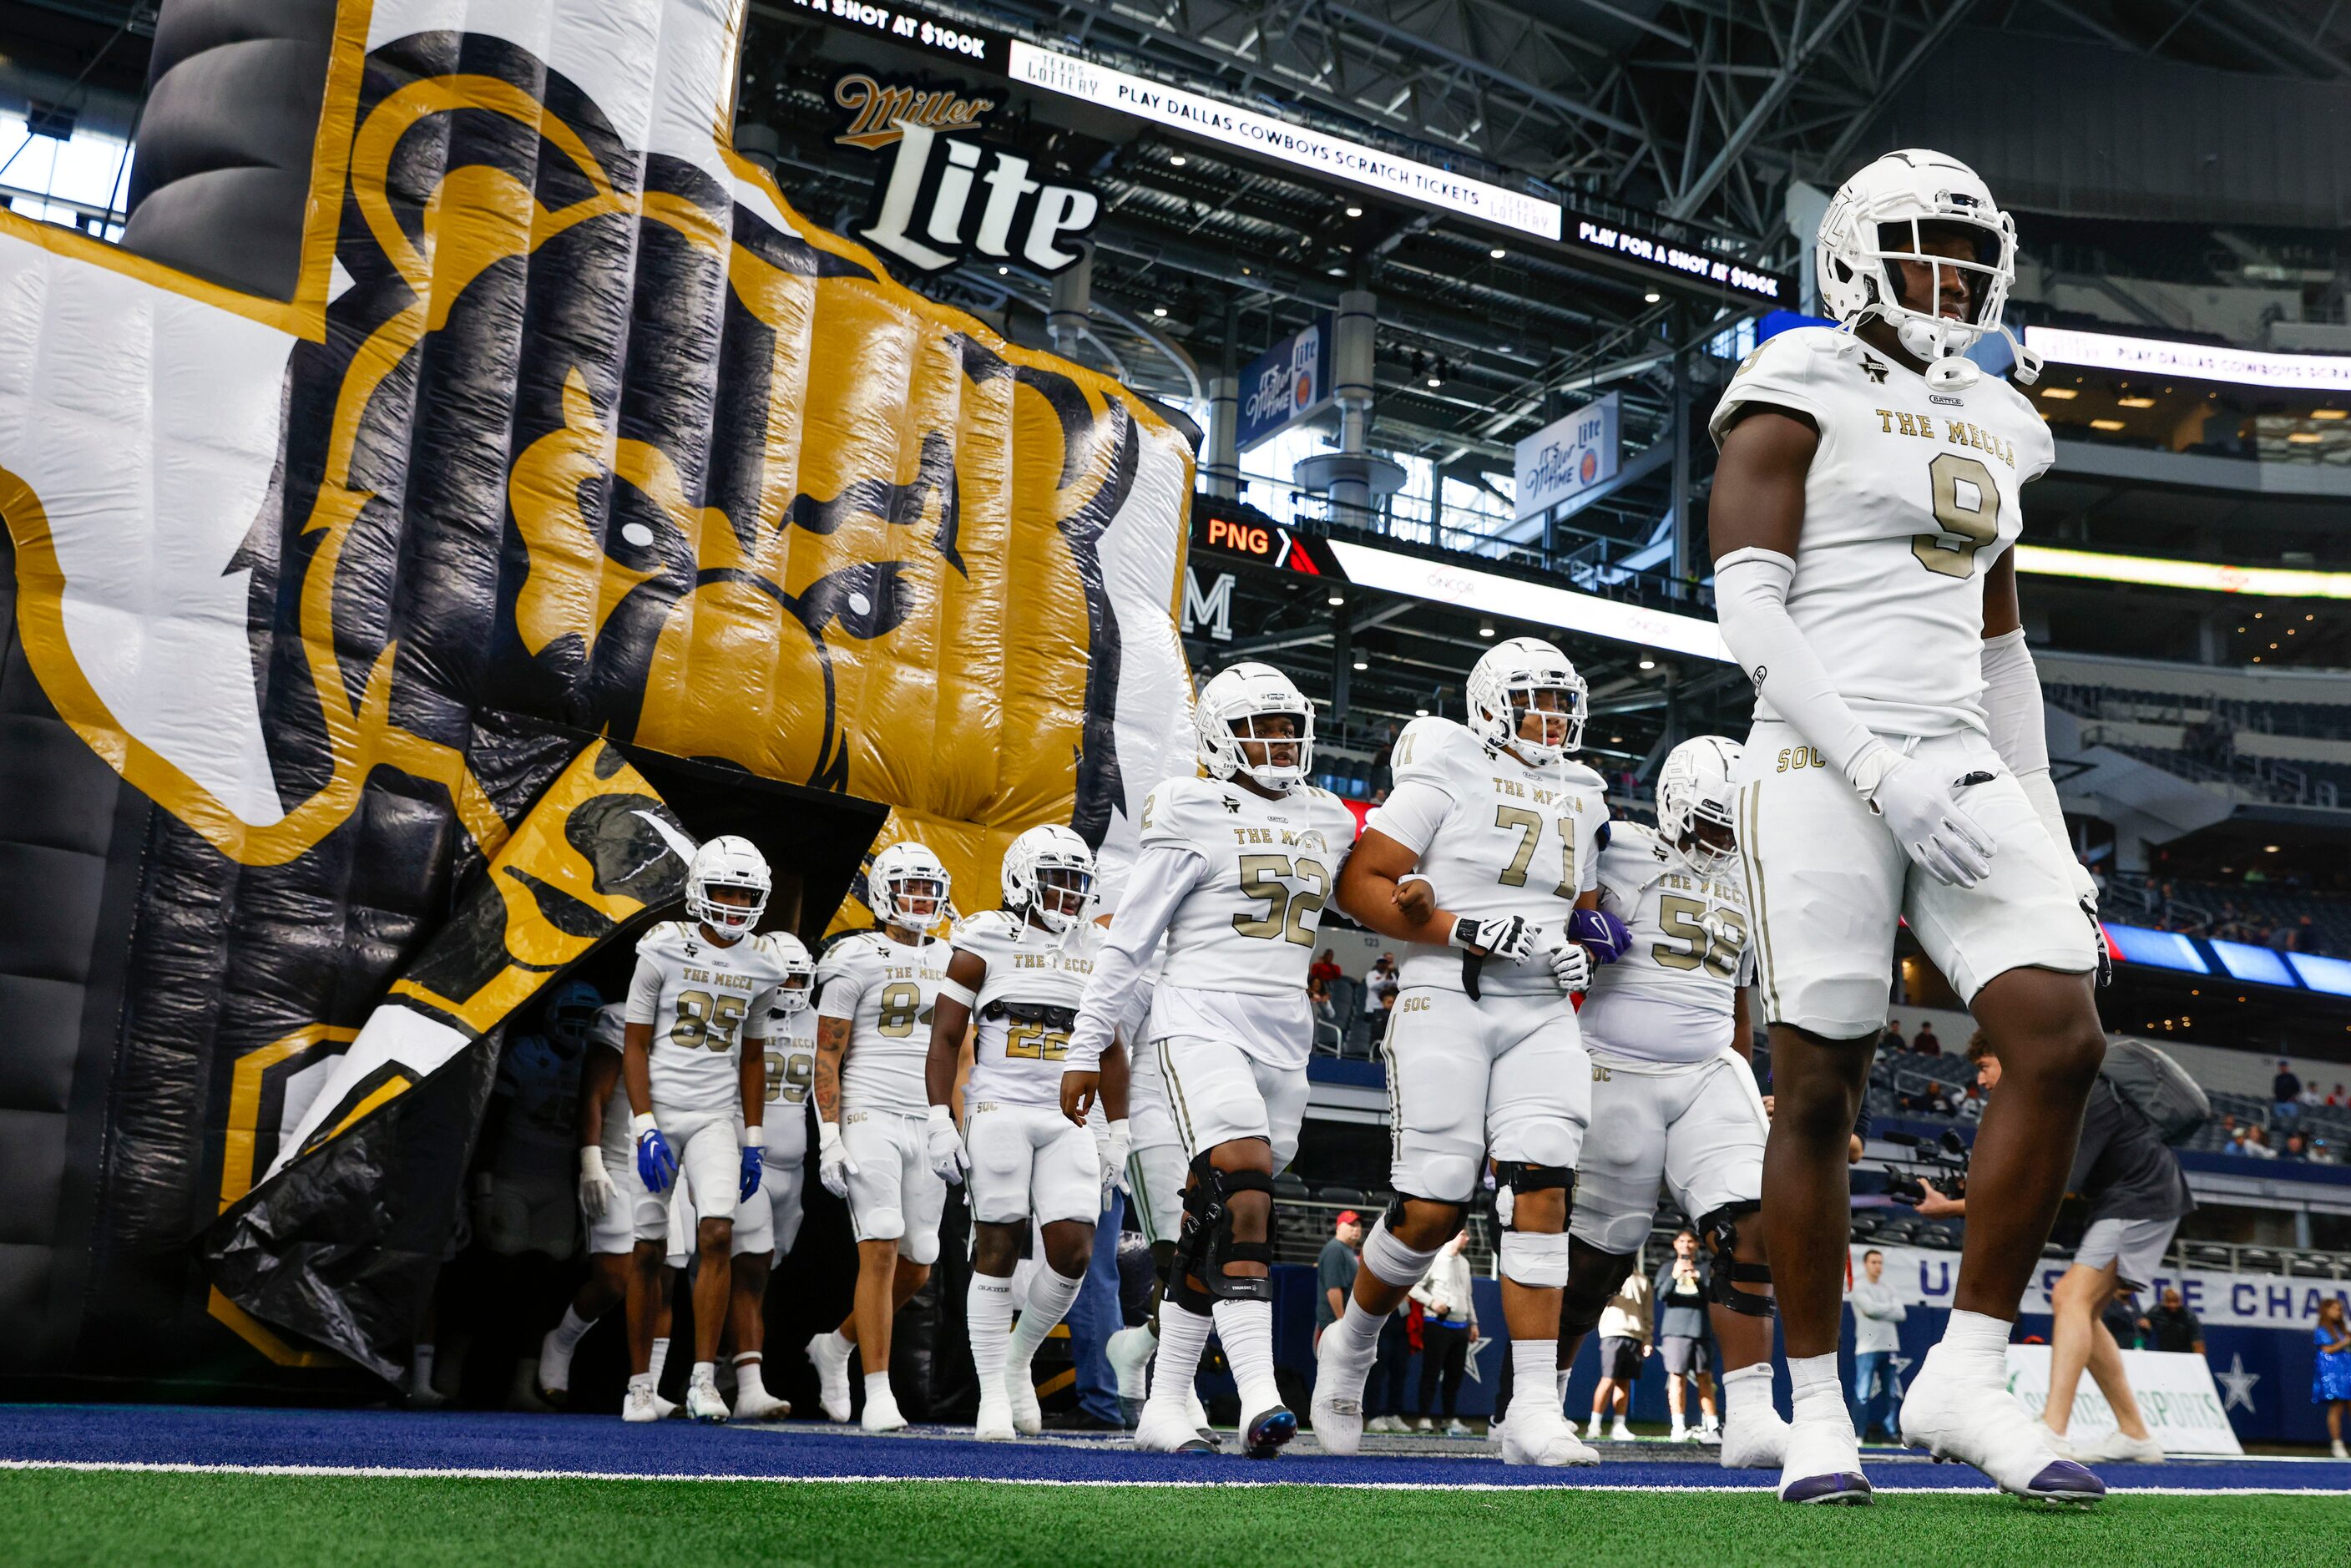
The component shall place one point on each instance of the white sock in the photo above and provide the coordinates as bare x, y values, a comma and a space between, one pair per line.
1183, 1336
1534, 1366
747, 1375
420, 1366
988, 1314
1818, 1394
1049, 1295
1593, 1429
660, 1357
569, 1331
1133, 1380
1749, 1384
705, 1373
1977, 1343
877, 1386
1560, 1377
1359, 1333
1246, 1329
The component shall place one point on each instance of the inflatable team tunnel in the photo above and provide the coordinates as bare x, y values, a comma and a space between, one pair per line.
467, 485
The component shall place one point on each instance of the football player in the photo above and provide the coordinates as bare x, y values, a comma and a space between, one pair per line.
875, 995
1861, 519
1234, 869
768, 1222
1481, 860
692, 1059
523, 1209
1017, 973
1673, 1097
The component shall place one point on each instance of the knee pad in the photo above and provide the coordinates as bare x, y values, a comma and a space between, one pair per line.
921, 1251
1390, 1261
882, 1225
1720, 1229
1516, 1176
1538, 1262
1590, 1289
1216, 1246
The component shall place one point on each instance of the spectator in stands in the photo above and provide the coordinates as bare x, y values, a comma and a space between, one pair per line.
2168, 1325
2286, 1092
2236, 1143
1892, 1043
1681, 1293
2312, 1100
2338, 1097
1925, 1043
1326, 1017
1334, 1270
1387, 1011
2257, 1143
1626, 1338
1448, 1322
1875, 1343
1324, 969
1972, 1108
2330, 1380
2297, 1146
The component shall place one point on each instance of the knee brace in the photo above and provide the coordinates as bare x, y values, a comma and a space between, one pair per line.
1390, 1260
1515, 1176
1590, 1289
1538, 1262
1720, 1229
1216, 1246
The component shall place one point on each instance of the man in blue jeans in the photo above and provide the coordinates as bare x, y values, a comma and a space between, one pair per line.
1875, 1310
1094, 1317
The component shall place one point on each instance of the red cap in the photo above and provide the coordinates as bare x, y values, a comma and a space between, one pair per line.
1348, 1216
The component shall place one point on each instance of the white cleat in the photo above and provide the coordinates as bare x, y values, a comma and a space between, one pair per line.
1620, 1433
882, 1412
995, 1422
831, 1376
1977, 1421
1168, 1428
1198, 1414
665, 1409
1542, 1435
1755, 1439
760, 1406
704, 1404
1020, 1393
1822, 1462
1336, 1411
641, 1404
2114, 1449
1494, 1433
553, 1377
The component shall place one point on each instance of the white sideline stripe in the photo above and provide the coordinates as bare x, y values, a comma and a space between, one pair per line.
416, 1472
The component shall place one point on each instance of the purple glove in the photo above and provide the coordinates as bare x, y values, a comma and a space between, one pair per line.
1602, 931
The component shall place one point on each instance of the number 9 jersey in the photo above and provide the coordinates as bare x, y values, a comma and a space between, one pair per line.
886, 989
1910, 497
1668, 1000
703, 1000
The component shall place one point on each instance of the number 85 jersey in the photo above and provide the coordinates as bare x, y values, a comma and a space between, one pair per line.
1668, 1000
1911, 495
702, 1000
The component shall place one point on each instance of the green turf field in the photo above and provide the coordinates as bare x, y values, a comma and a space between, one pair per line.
258, 1522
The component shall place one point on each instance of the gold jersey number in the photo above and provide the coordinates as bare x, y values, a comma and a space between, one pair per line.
789, 1075
1034, 1042
1683, 920
1528, 826
901, 1004
706, 1021
1266, 879
1966, 506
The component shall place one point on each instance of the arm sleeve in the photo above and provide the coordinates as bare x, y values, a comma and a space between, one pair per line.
1750, 600
2012, 702
1411, 814
645, 991
1164, 873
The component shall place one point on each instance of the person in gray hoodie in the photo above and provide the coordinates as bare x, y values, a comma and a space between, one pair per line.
1875, 1310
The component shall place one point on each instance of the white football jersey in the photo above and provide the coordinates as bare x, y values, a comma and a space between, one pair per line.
1667, 1002
702, 999
606, 1033
1912, 494
540, 1087
886, 990
1270, 867
1017, 1059
792, 1070
1496, 838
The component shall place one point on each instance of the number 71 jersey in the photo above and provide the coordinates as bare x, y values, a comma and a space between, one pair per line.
1668, 1000
1268, 870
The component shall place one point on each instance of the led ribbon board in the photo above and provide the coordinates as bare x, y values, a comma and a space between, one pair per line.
2266, 582
2191, 362
1494, 594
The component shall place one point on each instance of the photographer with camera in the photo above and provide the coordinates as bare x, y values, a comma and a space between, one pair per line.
2137, 1194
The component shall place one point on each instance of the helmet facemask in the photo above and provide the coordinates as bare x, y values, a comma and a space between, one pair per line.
913, 901
1062, 894
1274, 747
1709, 838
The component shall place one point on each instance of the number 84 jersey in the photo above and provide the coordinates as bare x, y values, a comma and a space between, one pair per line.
1668, 1000
886, 990
702, 1000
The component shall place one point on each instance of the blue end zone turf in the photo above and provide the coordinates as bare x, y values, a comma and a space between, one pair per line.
601, 1445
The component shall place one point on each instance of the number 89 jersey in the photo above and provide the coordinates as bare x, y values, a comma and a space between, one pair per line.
699, 999
1911, 495
1026, 1006
886, 990
1668, 1000
1268, 868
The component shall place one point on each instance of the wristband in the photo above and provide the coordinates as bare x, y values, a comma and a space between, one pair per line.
640, 1124
951, 992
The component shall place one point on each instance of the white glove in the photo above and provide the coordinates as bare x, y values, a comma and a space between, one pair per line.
1571, 965
1112, 1149
597, 1193
1926, 817
1511, 939
943, 1145
834, 1165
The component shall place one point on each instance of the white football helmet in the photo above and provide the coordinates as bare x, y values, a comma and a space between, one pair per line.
800, 966
903, 875
1883, 216
1695, 792
1239, 698
1504, 686
727, 862
570, 1013
1043, 862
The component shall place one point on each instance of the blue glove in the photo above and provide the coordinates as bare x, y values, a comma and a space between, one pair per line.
1602, 931
656, 1167
755, 1160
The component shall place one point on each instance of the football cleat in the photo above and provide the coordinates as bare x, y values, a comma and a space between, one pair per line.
1822, 1462
831, 1376
882, 1412
1622, 1432
554, 1374
1336, 1411
664, 1408
1977, 1421
1538, 1434
995, 1422
703, 1403
1268, 1432
1021, 1398
1752, 1439
641, 1404
1167, 1428
761, 1405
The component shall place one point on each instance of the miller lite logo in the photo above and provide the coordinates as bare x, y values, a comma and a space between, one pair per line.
949, 195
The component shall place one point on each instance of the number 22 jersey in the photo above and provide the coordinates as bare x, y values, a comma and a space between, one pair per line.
1911, 495
886, 990
702, 1000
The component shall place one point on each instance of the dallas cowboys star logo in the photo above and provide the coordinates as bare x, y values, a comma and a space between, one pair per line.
2239, 1385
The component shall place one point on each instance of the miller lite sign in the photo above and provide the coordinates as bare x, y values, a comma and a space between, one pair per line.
949, 194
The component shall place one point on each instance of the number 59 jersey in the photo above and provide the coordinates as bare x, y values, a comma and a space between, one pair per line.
1268, 868
1026, 1006
1495, 837
1668, 1000
1912, 494
702, 999
886, 990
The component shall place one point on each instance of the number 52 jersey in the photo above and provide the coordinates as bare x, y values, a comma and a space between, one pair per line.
702, 1000
1911, 495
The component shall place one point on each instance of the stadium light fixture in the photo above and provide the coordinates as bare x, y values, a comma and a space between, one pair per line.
1497, 253
1335, 599
1651, 298
1648, 663
2061, 394
2135, 403
1355, 212
1177, 159
2107, 424
1363, 664
1485, 628
2329, 413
